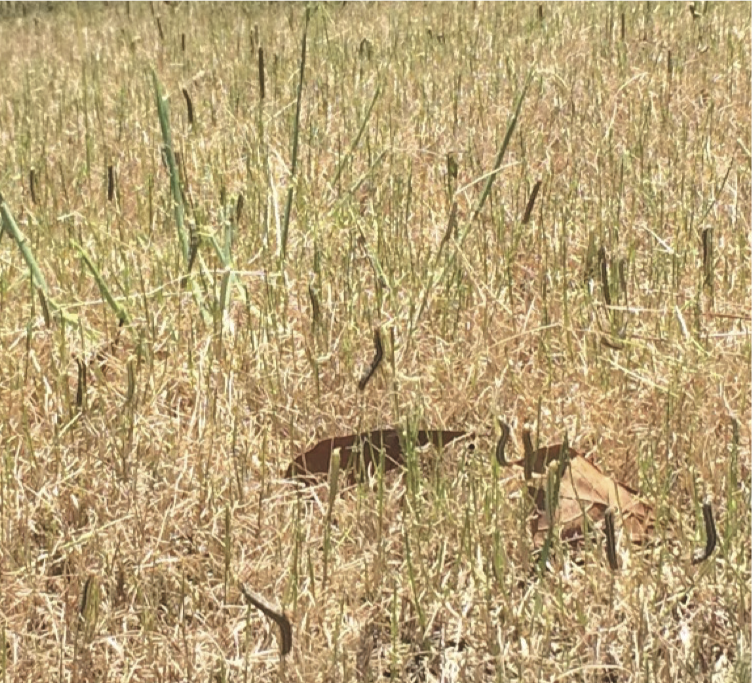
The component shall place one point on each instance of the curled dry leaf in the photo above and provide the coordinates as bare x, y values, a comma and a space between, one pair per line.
711, 537
583, 489
613, 560
273, 613
536, 462
378, 356
368, 446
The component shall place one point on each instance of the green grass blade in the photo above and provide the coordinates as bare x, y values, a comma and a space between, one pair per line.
177, 194
295, 135
9, 225
363, 125
163, 110
500, 156
481, 201
120, 312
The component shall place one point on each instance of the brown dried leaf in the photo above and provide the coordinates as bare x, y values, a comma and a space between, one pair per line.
583, 489
368, 446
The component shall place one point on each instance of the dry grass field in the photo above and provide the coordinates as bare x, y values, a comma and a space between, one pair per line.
544, 212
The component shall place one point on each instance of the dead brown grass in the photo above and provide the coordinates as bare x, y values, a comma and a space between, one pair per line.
126, 522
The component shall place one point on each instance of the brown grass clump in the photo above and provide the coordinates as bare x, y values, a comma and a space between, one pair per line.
177, 328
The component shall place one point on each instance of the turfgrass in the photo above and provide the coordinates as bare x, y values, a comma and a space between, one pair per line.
179, 323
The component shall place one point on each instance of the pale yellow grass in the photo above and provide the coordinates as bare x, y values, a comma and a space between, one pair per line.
159, 500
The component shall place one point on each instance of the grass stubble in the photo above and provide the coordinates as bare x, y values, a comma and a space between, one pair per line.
543, 210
